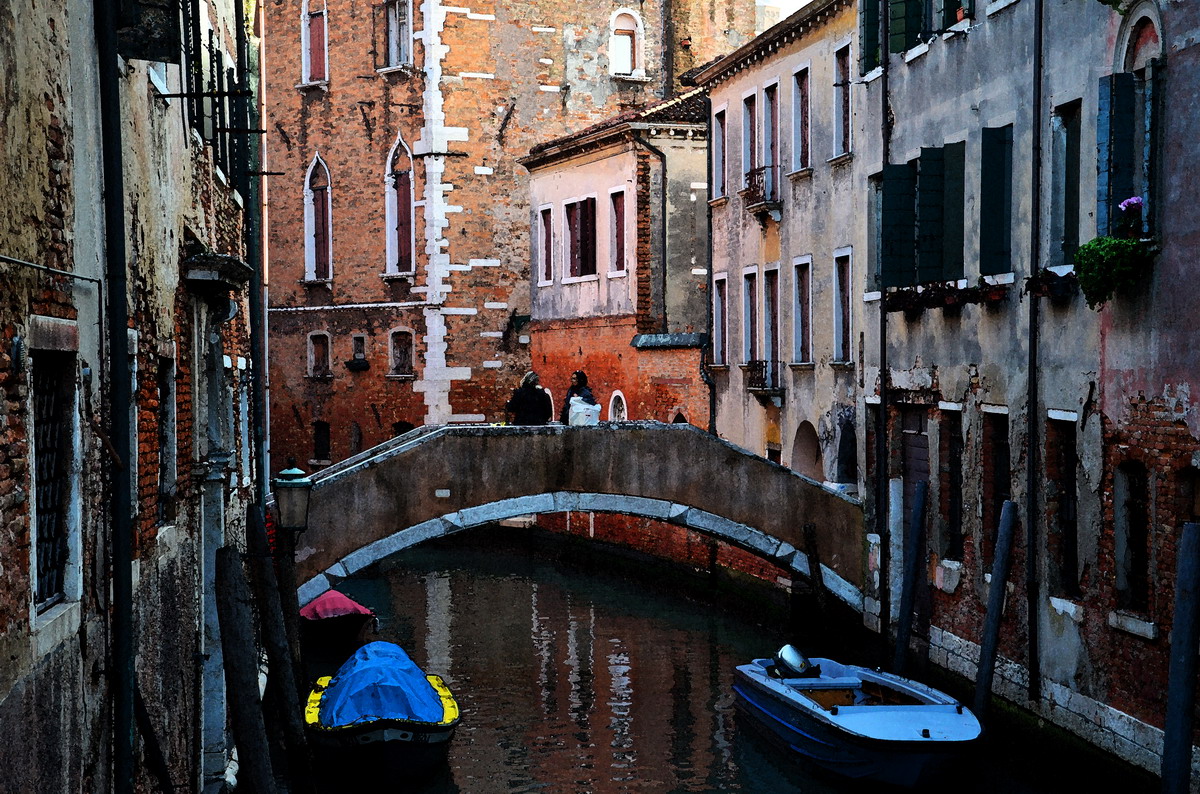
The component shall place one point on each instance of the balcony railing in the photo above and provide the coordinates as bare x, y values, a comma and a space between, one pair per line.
765, 376
761, 192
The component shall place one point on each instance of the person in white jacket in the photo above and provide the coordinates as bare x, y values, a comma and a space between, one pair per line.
579, 388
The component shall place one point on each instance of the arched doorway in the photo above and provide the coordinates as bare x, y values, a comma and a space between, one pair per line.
806, 453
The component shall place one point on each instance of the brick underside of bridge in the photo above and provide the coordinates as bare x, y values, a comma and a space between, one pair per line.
437, 481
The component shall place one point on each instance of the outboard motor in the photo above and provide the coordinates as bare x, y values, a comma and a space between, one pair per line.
790, 663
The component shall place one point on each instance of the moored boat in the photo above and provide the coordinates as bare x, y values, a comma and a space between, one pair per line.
334, 622
380, 713
858, 722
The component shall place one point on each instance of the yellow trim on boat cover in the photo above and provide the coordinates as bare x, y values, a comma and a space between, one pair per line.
449, 704
312, 709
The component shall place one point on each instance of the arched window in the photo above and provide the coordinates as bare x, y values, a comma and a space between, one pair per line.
617, 412
401, 352
318, 223
806, 453
318, 355
1131, 536
625, 45
847, 459
398, 193
679, 419
314, 35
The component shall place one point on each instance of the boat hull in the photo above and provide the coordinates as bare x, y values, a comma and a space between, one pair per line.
817, 737
386, 750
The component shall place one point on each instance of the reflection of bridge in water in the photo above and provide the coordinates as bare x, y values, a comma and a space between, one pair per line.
438, 480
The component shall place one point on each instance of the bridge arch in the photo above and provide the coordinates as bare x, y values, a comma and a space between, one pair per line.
438, 481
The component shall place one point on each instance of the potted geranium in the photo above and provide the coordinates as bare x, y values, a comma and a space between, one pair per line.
1108, 265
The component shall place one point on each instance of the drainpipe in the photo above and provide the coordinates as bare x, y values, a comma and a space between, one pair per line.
120, 395
668, 48
662, 212
706, 355
248, 119
882, 490
1033, 457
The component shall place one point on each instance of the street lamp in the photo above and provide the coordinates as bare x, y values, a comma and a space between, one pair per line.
292, 490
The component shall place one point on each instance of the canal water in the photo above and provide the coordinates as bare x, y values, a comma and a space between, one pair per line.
593, 674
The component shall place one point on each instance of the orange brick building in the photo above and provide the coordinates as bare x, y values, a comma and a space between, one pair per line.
399, 229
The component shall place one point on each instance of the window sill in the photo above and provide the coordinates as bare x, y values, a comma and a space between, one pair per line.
871, 297
961, 26
320, 378
916, 52
55, 626
1000, 278
398, 276
631, 78
397, 69
719, 201
873, 75
800, 173
321, 463
581, 279
401, 376
842, 366
719, 367
1067, 608
321, 84
159, 84
1132, 624
317, 282
841, 159
802, 366
616, 274
998, 5
545, 283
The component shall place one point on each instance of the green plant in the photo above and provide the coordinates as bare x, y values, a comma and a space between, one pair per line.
1108, 265
1115, 5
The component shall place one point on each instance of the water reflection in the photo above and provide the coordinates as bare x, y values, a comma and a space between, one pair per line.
576, 680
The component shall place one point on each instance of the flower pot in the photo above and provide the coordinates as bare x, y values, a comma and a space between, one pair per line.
960, 14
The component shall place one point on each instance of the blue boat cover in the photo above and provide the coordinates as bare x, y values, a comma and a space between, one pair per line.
379, 682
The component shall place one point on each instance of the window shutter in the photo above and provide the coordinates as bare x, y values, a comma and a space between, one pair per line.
954, 156
404, 230
930, 214
995, 201
588, 234
1150, 143
898, 33
1114, 147
896, 260
868, 53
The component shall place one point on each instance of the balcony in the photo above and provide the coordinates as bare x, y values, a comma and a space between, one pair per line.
761, 193
764, 378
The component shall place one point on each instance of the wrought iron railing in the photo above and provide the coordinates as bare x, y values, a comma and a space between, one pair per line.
764, 375
762, 185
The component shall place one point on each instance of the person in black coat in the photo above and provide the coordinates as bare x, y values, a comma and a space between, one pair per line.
529, 404
579, 388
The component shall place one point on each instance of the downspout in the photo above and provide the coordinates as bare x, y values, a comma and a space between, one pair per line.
668, 48
882, 490
1033, 457
120, 395
706, 355
662, 212
248, 119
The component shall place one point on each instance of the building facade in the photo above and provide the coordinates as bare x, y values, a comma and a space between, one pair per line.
399, 229
127, 455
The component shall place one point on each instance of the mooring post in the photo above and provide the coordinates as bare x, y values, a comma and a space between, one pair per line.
995, 608
914, 544
1181, 680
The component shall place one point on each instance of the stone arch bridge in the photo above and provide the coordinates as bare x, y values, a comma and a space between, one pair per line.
439, 480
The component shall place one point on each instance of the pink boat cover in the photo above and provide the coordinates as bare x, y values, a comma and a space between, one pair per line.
332, 604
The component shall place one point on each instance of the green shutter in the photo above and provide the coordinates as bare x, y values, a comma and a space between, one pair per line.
897, 238
868, 53
954, 191
1152, 89
995, 201
930, 212
1114, 147
898, 33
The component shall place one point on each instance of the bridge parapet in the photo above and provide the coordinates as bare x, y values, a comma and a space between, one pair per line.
435, 481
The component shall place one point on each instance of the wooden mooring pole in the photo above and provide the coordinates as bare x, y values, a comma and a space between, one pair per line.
995, 608
1181, 680
914, 559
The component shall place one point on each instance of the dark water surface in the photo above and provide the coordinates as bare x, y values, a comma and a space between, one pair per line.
595, 676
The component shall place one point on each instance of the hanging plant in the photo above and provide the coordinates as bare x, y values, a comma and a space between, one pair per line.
1115, 5
1108, 266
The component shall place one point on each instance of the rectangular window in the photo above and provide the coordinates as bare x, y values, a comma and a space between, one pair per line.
321, 442
546, 235
997, 480
906, 22
165, 471
323, 261
770, 134
800, 114
621, 56
358, 347
801, 308
396, 24
897, 225
869, 30
404, 222
617, 231
950, 483
720, 315
749, 317
718, 155
318, 356
53, 375
953, 201
841, 310
771, 322
749, 138
996, 200
402, 353
841, 101
1131, 536
315, 53
581, 237
1062, 464
914, 455
1064, 196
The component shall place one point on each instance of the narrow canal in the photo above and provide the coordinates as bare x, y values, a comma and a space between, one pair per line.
594, 675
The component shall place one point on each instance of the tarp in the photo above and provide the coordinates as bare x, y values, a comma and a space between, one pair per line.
379, 682
332, 604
